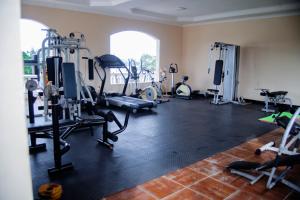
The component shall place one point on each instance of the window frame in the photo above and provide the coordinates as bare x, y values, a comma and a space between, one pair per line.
157, 59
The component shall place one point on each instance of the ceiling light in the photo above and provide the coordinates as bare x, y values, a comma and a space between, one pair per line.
181, 8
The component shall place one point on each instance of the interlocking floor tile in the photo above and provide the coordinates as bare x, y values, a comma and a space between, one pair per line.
206, 168
233, 180
248, 146
213, 188
161, 187
278, 192
221, 159
186, 176
240, 153
242, 195
132, 194
186, 194
209, 179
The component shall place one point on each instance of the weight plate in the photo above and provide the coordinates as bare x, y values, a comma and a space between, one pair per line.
31, 85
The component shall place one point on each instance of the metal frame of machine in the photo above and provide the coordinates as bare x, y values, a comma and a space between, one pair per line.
108, 61
286, 156
65, 90
226, 72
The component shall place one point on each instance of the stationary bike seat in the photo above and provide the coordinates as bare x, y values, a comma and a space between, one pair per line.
185, 78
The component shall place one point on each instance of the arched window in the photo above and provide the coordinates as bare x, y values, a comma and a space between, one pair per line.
139, 47
32, 37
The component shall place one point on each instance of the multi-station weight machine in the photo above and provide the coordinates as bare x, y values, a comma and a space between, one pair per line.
64, 93
225, 59
54, 48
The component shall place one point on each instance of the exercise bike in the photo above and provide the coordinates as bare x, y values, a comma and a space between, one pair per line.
147, 93
152, 92
156, 88
181, 89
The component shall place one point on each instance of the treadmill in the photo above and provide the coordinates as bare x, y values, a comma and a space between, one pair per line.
109, 61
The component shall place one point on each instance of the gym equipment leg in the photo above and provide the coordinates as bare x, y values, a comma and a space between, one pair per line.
58, 152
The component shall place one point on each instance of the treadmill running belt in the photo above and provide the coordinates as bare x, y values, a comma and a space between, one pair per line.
131, 102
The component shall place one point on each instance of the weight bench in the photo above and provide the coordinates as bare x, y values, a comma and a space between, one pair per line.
59, 130
40, 129
275, 98
285, 157
243, 167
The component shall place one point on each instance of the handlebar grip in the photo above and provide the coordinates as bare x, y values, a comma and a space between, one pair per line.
173, 68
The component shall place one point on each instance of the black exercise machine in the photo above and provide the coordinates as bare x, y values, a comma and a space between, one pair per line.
108, 61
59, 130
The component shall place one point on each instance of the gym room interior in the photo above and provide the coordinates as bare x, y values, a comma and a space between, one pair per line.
140, 99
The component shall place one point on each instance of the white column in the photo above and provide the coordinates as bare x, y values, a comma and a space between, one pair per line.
15, 178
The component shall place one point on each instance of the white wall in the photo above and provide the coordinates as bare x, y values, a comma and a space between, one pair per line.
270, 48
15, 178
98, 28
270, 54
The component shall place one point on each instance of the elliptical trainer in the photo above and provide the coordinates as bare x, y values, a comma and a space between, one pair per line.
134, 75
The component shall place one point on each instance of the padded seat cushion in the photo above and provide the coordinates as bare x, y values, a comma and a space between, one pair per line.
274, 94
243, 165
277, 93
41, 125
213, 90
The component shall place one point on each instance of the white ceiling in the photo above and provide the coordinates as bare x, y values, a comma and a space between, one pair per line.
180, 12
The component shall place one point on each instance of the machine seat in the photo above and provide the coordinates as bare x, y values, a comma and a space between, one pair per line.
273, 94
277, 93
42, 125
213, 91
92, 119
289, 160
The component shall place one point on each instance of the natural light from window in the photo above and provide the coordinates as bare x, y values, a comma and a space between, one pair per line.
137, 46
32, 37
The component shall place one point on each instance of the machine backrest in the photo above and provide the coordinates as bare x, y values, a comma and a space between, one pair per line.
91, 69
52, 63
69, 80
218, 72
112, 62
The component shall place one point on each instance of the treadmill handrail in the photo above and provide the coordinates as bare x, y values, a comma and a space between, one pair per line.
111, 62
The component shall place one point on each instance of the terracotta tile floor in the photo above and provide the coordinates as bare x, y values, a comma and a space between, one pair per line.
208, 178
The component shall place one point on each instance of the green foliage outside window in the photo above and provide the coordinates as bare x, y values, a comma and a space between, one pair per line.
28, 56
149, 62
